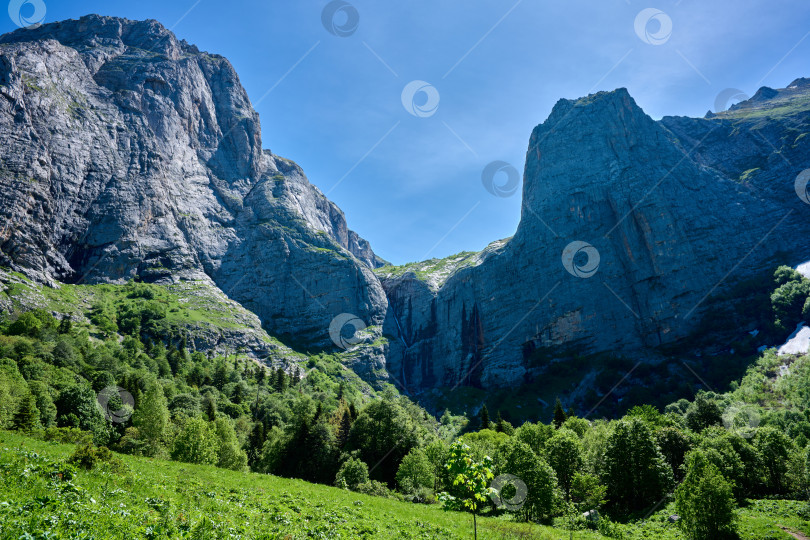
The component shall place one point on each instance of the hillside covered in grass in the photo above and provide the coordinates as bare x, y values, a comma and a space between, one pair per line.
43, 497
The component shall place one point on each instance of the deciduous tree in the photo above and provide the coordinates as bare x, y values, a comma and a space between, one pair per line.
196, 443
151, 417
470, 482
564, 452
704, 501
635, 472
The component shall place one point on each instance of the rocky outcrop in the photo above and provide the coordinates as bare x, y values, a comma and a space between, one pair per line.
670, 219
129, 153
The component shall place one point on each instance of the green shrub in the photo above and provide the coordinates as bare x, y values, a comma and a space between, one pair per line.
587, 492
374, 488
70, 435
35, 324
88, 457
352, 473
610, 529
141, 290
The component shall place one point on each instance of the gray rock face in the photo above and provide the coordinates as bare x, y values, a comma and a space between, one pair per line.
127, 152
672, 218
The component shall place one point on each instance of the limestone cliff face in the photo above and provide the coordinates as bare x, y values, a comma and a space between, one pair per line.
670, 221
127, 152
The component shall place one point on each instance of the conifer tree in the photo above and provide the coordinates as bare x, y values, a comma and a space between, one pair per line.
281, 380
343, 427
296, 451
318, 412
210, 409
484, 416
559, 414
220, 376
238, 394
27, 416
65, 326
260, 375
255, 444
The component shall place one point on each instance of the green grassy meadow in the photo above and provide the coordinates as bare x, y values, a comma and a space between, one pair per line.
152, 498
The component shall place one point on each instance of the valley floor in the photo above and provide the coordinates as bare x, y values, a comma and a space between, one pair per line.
160, 499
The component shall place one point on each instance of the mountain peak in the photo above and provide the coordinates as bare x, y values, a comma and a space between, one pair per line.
600, 101
93, 31
607, 121
801, 82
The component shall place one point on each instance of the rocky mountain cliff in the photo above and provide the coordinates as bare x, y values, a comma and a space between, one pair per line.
651, 218
126, 152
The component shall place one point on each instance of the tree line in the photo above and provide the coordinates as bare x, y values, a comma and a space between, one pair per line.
229, 411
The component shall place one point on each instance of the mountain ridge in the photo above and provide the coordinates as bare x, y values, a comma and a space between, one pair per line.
131, 154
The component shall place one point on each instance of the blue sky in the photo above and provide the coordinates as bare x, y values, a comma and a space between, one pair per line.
412, 184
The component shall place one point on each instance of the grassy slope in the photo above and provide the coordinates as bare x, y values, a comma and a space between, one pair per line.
435, 272
758, 520
194, 501
188, 303
193, 308
139, 503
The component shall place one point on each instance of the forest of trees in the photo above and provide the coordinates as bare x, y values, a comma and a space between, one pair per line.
707, 453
